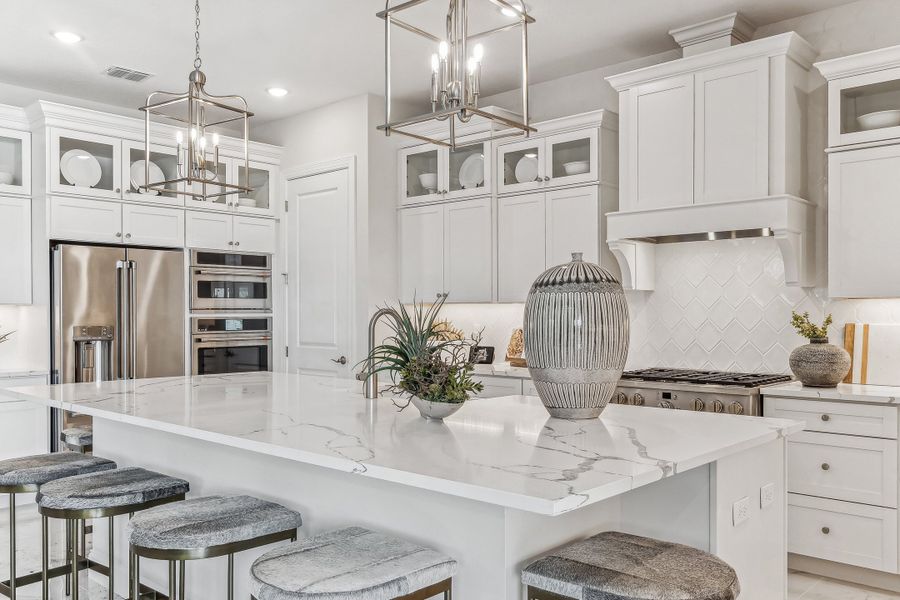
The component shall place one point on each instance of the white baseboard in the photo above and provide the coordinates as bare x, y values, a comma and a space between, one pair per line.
834, 570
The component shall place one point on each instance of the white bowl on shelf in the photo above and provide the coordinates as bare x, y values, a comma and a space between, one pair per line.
577, 167
428, 181
6, 178
251, 202
879, 119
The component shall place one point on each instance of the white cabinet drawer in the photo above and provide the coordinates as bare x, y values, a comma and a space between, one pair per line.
836, 417
496, 387
854, 534
841, 467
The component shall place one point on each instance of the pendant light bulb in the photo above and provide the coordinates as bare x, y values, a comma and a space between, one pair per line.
179, 137
435, 63
203, 143
478, 52
473, 65
193, 133
215, 139
443, 50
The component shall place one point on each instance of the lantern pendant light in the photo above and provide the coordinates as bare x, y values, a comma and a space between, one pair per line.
196, 115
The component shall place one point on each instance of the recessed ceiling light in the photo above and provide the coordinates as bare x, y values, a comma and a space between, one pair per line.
67, 37
277, 91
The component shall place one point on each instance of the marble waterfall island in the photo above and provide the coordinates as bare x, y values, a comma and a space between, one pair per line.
494, 486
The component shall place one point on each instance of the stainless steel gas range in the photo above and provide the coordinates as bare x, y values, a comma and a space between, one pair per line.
688, 389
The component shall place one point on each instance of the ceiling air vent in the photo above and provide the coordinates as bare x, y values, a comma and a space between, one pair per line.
129, 74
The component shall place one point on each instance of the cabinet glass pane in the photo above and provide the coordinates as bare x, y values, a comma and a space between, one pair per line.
220, 175
86, 164
167, 163
572, 157
521, 166
467, 167
259, 181
421, 173
868, 107
10, 161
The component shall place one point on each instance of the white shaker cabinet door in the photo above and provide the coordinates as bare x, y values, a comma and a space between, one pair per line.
254, 235
153, 226
521, 244
421, 253
24, 425
15, 247
863, 212
84, 220
732, 131
468, 251
659, 149
573, 225
209, 230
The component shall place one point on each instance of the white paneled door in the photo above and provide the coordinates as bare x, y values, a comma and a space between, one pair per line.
319, 224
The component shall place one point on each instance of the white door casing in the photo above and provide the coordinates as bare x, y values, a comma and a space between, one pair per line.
319, 248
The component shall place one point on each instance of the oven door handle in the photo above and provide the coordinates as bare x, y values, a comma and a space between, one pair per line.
235, 273
217, 342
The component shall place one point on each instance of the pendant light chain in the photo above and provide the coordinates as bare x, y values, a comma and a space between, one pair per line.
197, 60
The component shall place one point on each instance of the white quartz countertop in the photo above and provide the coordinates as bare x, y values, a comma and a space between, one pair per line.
503, 369
847, 392
504, 451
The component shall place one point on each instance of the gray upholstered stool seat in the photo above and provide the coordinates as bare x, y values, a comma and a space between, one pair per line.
210, 521
38, 470
110, 489
348, 564
620, 566
77, 436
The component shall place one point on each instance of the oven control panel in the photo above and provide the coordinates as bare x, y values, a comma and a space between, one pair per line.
700, 401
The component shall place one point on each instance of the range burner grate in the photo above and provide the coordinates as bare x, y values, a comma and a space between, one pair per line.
708, 377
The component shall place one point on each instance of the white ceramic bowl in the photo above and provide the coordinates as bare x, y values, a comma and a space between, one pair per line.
577, 167
878, 120
248, 202
428, 181
5, 178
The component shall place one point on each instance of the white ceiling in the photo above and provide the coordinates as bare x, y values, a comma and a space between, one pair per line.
322, 50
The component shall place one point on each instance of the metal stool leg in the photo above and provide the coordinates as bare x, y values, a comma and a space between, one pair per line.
45, 558
136, 589
172, 595
12, 546
73, 542
112, 559
181, 580
68, 554
231, 577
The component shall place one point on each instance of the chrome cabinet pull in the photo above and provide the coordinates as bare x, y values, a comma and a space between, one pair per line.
341, 361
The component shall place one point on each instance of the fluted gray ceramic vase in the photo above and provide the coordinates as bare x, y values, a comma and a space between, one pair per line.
576, 338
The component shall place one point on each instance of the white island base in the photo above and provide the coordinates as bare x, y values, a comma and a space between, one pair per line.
495, 486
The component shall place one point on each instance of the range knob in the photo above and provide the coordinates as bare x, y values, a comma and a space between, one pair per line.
698, 405
718, 406
666, 404
637, 400
736, 408
620, 398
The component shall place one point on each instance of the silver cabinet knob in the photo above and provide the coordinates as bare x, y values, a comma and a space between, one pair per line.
825, 466
231, 243
341, 360
826, 530
118, 234
826, 417
546, 178
118, 190
237, 243
127, 236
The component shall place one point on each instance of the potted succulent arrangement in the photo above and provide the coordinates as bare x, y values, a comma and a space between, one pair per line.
818, 363
430, 362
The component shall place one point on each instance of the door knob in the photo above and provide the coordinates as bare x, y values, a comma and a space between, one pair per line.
341, 361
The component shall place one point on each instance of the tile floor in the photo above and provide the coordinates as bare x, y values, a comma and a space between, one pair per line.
800, 585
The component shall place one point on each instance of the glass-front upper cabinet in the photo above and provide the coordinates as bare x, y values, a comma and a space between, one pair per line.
421, 177
521, 166
218, 174
572, 157
468, 170
85, 163
262, 180
163, 166
868, 108
15, 162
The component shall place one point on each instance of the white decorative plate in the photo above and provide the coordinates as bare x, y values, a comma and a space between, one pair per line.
212, 189
471, 171
80, 167
137, 176
526, 169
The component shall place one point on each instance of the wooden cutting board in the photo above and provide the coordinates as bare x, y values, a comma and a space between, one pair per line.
874, 353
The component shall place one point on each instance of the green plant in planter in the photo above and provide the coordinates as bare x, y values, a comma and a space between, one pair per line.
807, 328
425, 358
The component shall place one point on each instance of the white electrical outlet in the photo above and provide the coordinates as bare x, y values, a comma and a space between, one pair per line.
740, 511
766, 495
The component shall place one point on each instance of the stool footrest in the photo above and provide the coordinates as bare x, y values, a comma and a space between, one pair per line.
63, 570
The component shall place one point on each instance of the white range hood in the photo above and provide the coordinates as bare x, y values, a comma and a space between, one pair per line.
633, 236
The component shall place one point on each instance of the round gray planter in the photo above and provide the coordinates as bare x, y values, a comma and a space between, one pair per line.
820, 364
435, 410
576, 338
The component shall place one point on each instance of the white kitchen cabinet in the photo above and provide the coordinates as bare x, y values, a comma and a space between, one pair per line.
863, 208
521, 166
263, 181
573, 225
85, 220
731, 128
87, 151
15, 162
497, 387
15, 248
209, 230
254, 234
152, 225
422, 179
521, 244
565, 158
24, 425
454, 173
164, 157
468, 251
658, 155
421, 253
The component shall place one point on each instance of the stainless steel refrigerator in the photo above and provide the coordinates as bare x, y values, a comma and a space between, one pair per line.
117, 313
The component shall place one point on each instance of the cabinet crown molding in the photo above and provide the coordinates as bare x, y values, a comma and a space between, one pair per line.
733, 27
13, 117
858, 64
788, 44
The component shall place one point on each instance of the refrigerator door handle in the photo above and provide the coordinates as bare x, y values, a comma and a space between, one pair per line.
132, 319
121, 332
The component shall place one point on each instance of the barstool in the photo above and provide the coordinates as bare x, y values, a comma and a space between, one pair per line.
629, 567
352, 564
207, 528
97, 495
27, 475
78, 439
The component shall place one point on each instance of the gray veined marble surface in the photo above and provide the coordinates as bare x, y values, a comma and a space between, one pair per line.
504, 451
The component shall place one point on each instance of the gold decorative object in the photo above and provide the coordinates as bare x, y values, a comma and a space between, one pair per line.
516, 349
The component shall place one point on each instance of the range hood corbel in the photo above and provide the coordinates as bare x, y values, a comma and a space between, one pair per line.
633, 236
